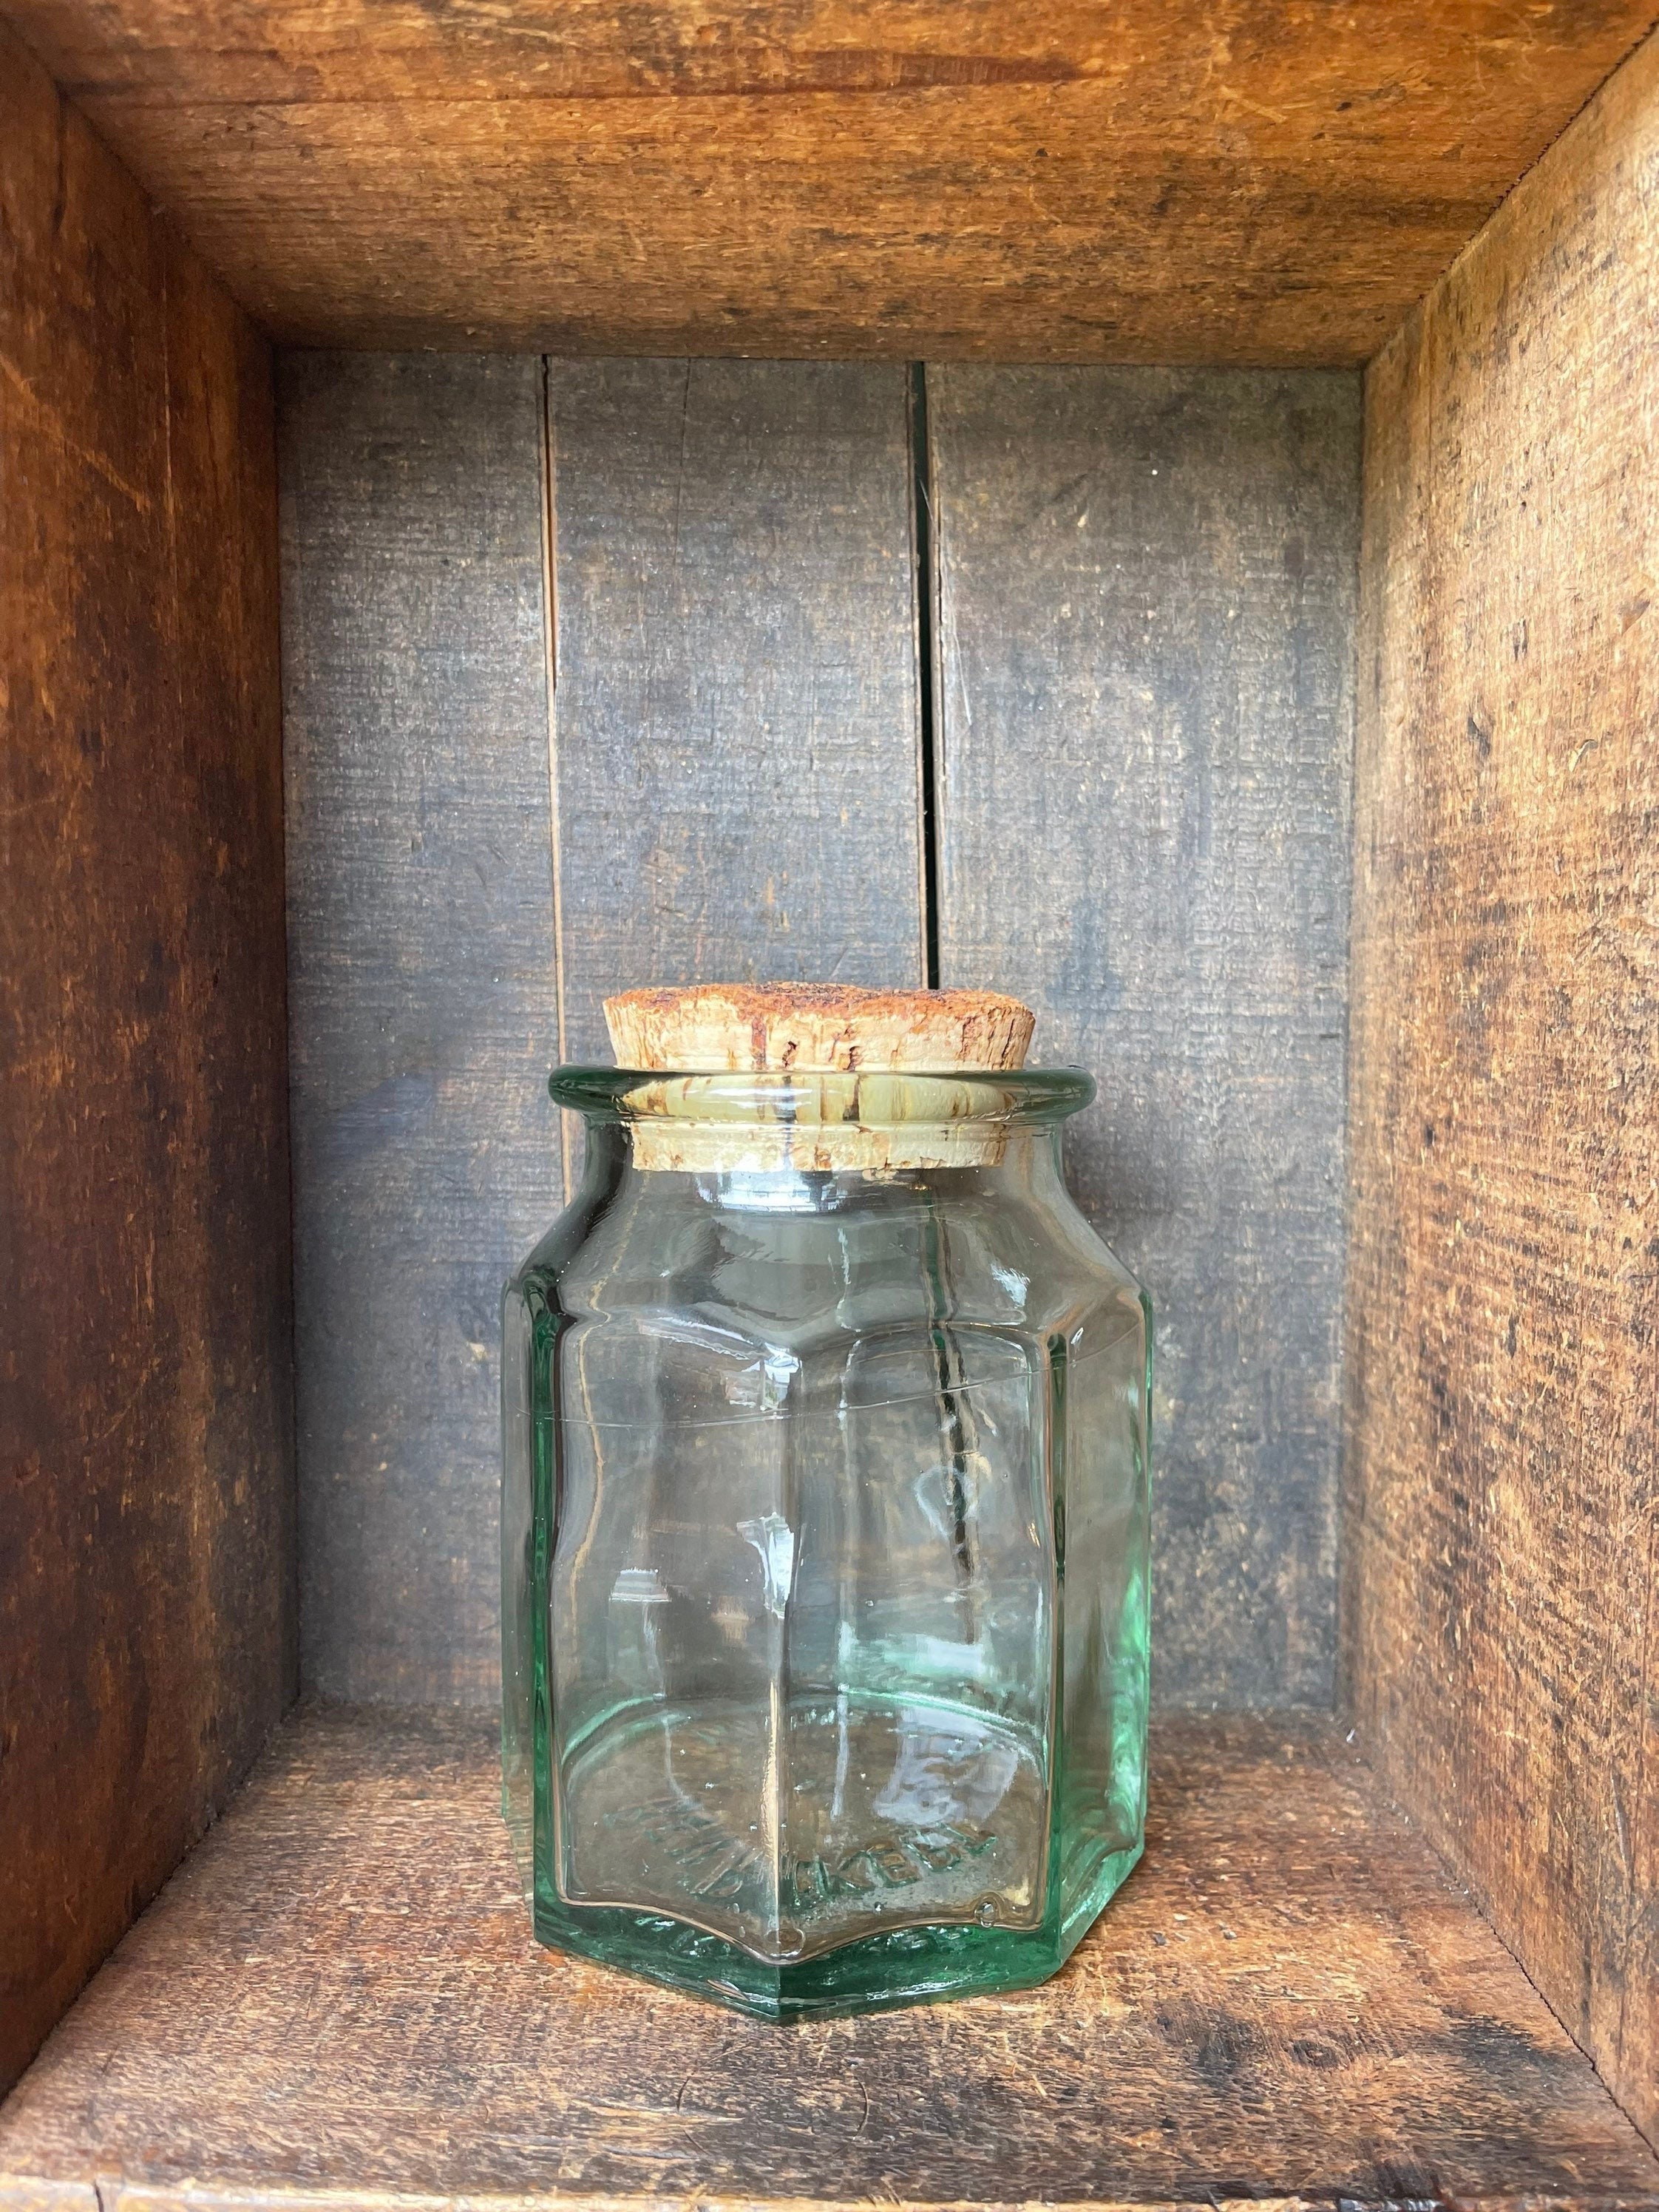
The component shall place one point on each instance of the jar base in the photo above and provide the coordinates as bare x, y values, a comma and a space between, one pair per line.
902, 1966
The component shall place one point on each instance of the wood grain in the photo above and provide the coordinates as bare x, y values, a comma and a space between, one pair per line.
146, 1508
424, 1000
1258, 181
1146, 609
737, 739
1290, 2000
1503, 1521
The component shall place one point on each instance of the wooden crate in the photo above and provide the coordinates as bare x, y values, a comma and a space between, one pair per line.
1148, 507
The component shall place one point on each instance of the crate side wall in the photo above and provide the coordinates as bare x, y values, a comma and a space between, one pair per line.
147, 1606
1501, 1614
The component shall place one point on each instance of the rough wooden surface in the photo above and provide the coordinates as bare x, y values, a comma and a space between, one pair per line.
1290, 2000
424, 1006
736, 706
1145, 611
1502, 1525
146, 1552
1266, 181
1142, 822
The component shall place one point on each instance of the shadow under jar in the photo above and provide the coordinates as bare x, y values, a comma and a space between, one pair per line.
824, 1538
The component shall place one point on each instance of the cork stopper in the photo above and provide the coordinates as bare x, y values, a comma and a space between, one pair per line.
821, 1027
863, 1077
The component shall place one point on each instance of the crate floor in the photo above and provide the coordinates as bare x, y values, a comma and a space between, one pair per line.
337, 1999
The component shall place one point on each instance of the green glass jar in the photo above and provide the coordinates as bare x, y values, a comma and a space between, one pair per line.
824, 1533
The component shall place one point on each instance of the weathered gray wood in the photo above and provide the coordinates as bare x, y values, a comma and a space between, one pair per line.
422, 999
1146, 617
1146, 586
737, 732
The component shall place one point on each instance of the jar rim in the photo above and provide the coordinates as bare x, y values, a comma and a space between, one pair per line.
880, 1097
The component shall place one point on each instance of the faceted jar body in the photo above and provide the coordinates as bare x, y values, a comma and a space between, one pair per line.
824, 1533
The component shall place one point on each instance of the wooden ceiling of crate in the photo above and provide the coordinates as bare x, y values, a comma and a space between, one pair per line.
1268, 181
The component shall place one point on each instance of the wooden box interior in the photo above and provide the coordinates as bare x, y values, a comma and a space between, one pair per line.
1151, 513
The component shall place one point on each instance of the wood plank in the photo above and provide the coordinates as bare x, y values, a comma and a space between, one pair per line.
1145, 610
1292, 2000
424, 1001
147, 1614
737, 705
1257, 181
1503, 1516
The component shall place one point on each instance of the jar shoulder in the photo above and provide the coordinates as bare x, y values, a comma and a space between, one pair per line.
956, 1251
557, 1251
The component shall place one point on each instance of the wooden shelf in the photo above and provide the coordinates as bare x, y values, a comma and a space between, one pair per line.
339, 1992
1262, 181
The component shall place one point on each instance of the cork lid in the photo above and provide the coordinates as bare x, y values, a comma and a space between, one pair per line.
808, 1027
846, 1081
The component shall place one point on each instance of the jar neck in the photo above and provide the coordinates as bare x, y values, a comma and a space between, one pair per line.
828, 1171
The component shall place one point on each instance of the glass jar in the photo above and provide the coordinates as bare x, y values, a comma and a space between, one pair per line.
824, 1536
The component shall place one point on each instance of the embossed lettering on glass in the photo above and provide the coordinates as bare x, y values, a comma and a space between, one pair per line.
825, 1511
